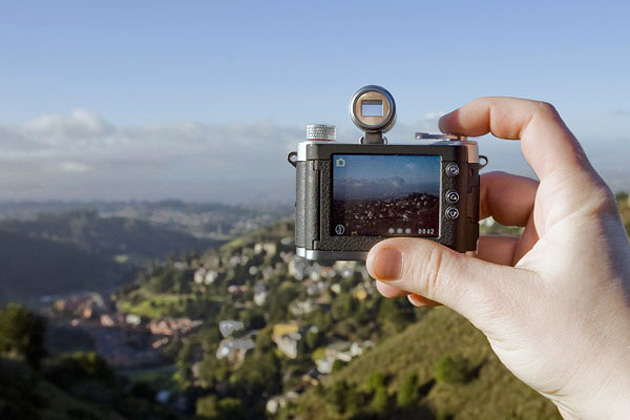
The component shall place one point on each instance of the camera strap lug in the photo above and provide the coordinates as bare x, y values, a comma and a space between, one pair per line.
292, 158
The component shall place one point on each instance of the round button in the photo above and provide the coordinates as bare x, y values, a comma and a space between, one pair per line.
452, 196
452, 169
452, 213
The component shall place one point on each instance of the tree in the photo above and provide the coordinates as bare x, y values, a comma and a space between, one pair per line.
231, 408
213, 370
336, 396
22, 334
408, 391
253, 319
71, 369
208, 407
375, 381
337, 366
394, 316
380, 401
312, 339
344, 306
452, 370
260, 374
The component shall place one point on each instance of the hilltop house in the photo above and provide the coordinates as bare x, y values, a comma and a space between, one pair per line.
341, 350
204, 276
228, 326
260, 293
173, 326
287, 336
235, 349
269, 248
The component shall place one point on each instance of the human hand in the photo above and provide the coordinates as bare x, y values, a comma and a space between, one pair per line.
554, 303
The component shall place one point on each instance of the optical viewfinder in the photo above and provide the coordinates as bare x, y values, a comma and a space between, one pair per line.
372, 108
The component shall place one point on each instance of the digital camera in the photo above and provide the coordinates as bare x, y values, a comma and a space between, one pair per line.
350, 196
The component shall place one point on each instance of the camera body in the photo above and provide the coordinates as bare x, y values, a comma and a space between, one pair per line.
351, 196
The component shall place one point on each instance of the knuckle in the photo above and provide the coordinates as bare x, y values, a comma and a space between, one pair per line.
546, 108
604, 199
429, 272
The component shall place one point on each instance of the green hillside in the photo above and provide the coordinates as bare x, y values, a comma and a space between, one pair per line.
34, 267
485, 390
76, 251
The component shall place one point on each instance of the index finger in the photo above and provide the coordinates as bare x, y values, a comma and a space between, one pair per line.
547, 143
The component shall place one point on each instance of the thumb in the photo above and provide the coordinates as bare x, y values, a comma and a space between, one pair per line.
468, 285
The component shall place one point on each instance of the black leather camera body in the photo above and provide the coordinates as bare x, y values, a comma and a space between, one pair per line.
351, 196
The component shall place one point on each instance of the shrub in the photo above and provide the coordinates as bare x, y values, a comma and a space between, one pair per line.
73, 368
22, 334
380, 401
452, 370
337, 366
376, 381
336, 396
408, 391
207, 407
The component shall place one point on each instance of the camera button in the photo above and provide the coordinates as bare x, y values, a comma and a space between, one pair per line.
452, 169
452, 196
452, 213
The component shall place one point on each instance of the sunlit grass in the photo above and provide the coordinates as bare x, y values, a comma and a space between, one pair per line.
154, 306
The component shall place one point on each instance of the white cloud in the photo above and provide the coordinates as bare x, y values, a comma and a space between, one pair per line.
77, 167
81, 155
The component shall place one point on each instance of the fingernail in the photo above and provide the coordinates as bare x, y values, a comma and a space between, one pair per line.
415, 301
385, 264
447, 114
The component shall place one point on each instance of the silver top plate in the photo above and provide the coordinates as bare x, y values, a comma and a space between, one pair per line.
445, 136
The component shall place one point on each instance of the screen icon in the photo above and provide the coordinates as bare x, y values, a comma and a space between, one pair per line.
340, 229
340, 162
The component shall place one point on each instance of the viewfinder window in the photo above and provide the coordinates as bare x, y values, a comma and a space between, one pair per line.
372, 108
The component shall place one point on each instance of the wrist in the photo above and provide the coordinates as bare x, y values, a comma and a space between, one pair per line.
609, 400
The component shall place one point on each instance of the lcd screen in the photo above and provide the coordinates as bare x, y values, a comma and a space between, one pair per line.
385, 195
372, 108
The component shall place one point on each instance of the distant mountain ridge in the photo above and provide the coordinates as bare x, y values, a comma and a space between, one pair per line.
107, 236
77, 251
33, 267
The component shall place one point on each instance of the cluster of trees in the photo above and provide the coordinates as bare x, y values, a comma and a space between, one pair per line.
82, 383
22, 335
373, 400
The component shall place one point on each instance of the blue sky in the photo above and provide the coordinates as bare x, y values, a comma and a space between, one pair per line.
241, 68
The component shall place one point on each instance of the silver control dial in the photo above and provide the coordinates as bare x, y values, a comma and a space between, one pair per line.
321, 132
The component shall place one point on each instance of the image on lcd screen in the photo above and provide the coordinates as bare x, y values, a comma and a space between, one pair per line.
385, 195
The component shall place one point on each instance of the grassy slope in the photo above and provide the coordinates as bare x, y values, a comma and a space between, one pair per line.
493, 394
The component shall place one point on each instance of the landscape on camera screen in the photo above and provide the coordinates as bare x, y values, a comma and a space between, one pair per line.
385, 195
